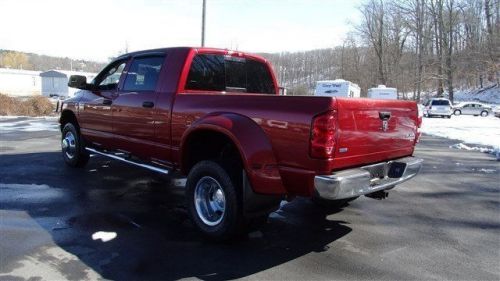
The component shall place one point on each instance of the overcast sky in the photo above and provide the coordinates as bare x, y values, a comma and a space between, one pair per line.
98, 29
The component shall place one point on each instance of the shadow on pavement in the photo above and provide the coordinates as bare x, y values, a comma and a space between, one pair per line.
154, 237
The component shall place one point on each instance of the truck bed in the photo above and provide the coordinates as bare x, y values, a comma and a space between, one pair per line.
286, 120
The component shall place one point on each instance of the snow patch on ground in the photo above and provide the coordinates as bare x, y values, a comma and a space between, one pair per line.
104, 236
463, 146
476, 133
28, 124
488, 171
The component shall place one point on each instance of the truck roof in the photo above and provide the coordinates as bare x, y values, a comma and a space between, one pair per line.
198, 49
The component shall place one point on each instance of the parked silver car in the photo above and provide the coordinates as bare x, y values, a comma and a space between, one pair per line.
472, 108
496, 111
438, 107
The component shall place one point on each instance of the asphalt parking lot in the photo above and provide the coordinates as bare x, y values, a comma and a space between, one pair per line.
444, 224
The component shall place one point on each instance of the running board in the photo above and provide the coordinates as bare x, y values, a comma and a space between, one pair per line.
149, 167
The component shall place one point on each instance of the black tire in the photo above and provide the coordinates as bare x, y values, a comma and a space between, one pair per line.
232, 222
448, 116
484, 113
78, 156
457, 112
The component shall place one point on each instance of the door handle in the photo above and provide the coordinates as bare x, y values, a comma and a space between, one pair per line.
148, 104
107, 101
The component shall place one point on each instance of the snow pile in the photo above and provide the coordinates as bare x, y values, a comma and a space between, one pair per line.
490, 94
476, 133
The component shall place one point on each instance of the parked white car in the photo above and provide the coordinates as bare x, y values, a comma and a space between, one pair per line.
472, 108
438, 107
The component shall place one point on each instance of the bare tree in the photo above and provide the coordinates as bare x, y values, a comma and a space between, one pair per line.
372, 27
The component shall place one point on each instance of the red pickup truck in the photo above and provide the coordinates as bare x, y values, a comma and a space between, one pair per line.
214, 120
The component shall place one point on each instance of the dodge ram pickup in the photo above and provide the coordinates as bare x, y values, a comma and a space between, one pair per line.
213, 119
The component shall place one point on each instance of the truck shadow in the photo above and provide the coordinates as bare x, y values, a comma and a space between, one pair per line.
152, 237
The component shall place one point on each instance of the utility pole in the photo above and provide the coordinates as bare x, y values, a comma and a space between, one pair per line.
203, 23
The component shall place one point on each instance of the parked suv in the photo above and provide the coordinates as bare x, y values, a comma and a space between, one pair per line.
438, 107
472, 108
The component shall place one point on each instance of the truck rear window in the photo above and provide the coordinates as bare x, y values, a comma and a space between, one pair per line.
210, 72
440, 102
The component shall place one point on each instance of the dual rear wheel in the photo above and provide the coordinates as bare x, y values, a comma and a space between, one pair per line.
214, 201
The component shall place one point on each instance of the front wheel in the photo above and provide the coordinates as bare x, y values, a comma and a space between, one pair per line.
73, 150
212, 201
484, 113
457, 112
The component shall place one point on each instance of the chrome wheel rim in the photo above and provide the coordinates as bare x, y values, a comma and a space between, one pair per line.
68, 145
209, 201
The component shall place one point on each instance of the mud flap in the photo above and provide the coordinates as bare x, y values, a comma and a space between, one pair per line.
254, 204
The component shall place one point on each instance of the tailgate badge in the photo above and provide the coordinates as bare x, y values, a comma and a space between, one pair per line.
385, 125
343, 149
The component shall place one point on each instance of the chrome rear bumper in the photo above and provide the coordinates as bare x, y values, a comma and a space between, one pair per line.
367, 179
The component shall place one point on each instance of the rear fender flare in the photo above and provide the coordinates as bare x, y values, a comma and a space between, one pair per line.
253, 145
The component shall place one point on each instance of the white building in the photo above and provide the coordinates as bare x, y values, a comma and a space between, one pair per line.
337, 88
20, 83
55, 82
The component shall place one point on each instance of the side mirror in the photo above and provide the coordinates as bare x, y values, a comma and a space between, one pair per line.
78, 81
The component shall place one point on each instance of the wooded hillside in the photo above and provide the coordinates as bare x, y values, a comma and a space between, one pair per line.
413, 45
29, 61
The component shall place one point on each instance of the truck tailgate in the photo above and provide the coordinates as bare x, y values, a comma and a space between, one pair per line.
374, 130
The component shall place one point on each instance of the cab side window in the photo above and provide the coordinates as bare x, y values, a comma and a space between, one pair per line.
109, 78
143, 74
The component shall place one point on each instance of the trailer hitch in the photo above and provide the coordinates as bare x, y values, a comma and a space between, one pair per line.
379, 195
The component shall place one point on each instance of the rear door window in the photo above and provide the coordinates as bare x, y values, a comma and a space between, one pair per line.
143, 74
210, 72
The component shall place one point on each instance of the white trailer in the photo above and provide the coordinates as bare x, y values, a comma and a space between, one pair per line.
337, 88
383, 93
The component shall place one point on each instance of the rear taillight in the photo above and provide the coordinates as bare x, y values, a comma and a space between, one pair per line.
323, 135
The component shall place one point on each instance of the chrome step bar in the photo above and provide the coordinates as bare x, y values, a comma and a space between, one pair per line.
149, 167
